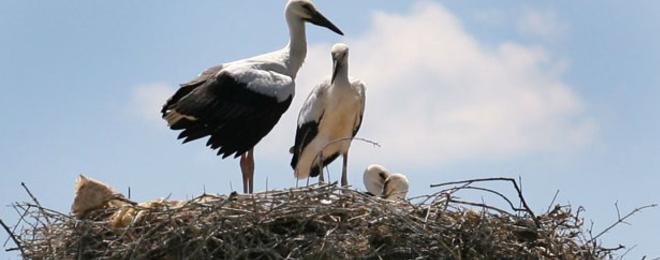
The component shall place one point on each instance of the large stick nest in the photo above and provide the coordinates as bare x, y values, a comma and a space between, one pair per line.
316, 222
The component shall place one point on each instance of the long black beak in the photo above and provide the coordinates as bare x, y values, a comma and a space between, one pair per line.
335, 69
318, 19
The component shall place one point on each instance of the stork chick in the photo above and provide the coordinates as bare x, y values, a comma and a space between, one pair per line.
374, 179
329, 119
395, 187
380, 182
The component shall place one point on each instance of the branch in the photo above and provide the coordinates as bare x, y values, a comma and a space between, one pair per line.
513, 181
13, 237
35, 201
621, 220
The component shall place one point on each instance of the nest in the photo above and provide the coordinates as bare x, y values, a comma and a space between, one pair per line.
315, 222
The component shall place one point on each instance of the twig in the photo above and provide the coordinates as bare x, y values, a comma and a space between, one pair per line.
621, 220
35, 200
13, 237
552, 203
515, 185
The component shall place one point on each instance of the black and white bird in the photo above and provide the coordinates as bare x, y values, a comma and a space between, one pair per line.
380, 182
238, 103
329, 119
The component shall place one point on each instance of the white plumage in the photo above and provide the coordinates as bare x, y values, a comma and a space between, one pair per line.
395, 187
374, 179
238, 103
380, 182
330, 117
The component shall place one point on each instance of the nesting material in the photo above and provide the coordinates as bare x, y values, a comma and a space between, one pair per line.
317, 222
91, 194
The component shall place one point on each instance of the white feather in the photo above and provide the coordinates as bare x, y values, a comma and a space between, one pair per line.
266, 74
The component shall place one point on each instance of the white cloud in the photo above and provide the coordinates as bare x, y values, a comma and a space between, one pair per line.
544, 24
436, 94
147, 100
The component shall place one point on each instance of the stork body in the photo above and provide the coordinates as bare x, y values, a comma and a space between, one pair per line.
380, 182
238, 103
330, 117
374, 179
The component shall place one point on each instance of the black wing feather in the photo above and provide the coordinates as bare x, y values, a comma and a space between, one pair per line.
186, 88
235, 117
304, 135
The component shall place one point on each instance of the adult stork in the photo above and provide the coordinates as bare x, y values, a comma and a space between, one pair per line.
238, 103
328, 120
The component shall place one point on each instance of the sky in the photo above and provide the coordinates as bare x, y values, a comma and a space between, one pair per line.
559, 93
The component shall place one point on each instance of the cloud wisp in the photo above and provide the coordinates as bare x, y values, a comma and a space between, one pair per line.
542, 23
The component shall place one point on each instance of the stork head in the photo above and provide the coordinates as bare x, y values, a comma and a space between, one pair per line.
374, 178
339, 58
306, 11
395, 187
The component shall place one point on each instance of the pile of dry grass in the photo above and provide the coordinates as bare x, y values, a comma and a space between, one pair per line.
316, 222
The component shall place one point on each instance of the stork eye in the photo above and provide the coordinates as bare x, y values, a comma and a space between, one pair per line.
308, 7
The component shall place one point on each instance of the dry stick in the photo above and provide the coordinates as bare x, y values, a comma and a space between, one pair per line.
496, 193
319, 155
621, 220
16, 226
515, 185
35, 200
553, 201
13, 237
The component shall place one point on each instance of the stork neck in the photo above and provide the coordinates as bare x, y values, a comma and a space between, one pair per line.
342, 74
297, 46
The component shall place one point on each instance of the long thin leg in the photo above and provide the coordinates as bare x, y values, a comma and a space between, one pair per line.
244, 171
251, 168
321, 177
344, 173
247, 169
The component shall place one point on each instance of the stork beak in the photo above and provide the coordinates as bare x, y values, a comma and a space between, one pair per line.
335, 69
318, 19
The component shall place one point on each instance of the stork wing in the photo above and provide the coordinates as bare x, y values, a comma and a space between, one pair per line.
236, 114
188, 87
309, 118
358, 121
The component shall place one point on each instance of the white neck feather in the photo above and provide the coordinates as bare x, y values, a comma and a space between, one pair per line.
342, 74
297, 47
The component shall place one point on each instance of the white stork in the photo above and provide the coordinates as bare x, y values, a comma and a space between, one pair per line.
395, 187
329, 119
380, 182
238, 103
374, 179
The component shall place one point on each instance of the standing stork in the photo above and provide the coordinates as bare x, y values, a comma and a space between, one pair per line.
329, 119
238, 103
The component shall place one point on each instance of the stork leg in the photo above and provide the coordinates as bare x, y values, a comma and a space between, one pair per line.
321, 177
251, 157
247, 169
344, 173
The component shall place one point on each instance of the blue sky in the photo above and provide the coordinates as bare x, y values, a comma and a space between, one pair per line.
561, 93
